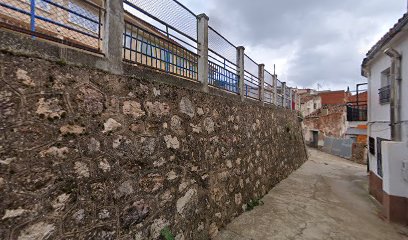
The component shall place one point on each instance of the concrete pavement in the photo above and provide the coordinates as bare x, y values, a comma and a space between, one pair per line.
326, 198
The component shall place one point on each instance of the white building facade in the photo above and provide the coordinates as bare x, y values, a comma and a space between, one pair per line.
386, 67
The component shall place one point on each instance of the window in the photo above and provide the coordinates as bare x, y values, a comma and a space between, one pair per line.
79, 20
179, 62
371, 145
386, 78
146, 46
314, 105
128, 40
385, 91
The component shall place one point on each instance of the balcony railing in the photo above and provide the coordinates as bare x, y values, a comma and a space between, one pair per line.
356, 111
384, 94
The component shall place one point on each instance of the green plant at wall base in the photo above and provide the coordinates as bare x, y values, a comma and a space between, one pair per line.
166, 234
253, 203
61, 62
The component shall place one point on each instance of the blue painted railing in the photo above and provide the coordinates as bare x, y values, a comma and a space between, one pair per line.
77, 23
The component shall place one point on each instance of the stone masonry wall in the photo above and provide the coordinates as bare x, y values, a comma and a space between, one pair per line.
85, 154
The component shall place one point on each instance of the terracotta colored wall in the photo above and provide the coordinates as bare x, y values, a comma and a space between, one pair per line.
333, 98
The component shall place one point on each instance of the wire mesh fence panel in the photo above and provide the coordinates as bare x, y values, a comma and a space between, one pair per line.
269, 95
76, 23
279, 86
288, 99
268, 78
141, 46
250, 66
220, 46
252, 86
169, 12
222, 62
280, 95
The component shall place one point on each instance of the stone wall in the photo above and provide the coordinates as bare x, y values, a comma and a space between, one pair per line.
359, 153
90, 155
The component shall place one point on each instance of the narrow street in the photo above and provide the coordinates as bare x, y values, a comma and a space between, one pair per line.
326, 198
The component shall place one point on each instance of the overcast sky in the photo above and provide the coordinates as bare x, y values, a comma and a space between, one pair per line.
310, 41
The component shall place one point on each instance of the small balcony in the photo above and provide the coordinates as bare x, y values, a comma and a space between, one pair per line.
384, 94
356, 111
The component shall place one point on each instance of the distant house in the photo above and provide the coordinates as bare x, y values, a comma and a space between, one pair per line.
309, 103
324, 115
327, 125
357, 117
386, 68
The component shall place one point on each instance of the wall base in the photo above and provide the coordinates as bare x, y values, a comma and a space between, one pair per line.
376, 187
395, 208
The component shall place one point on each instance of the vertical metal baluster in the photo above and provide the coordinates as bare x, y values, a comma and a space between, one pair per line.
32, 17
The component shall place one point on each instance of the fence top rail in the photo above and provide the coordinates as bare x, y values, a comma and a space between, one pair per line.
133, 5
188, 10
251, 59
268, 72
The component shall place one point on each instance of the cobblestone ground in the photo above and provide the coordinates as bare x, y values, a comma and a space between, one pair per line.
326, 198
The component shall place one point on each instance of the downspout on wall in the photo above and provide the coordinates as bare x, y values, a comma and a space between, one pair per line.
395, 98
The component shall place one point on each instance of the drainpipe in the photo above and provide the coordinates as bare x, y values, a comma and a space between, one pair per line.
395, 98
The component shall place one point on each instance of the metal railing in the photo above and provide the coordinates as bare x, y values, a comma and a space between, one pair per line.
384, 94
288, 98
280, 94
76, 23
357, 111
252, 84
160, 34
269, 91
161, 41
222, 70
141, 46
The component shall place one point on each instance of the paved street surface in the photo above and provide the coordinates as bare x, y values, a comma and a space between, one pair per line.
325, 199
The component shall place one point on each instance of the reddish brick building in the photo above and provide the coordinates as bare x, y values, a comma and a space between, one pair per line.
334, 97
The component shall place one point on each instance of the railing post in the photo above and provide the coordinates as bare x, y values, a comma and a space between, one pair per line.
113, 35
202, 39
284, 94
275, 89
261, 77
32, 16
241, 70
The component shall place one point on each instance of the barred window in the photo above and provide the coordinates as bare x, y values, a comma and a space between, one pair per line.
371, 145
81, 21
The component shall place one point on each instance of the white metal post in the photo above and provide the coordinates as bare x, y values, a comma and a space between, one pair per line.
113, 35
261, 77
284, 94
275, 89
241, 70
203, 50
